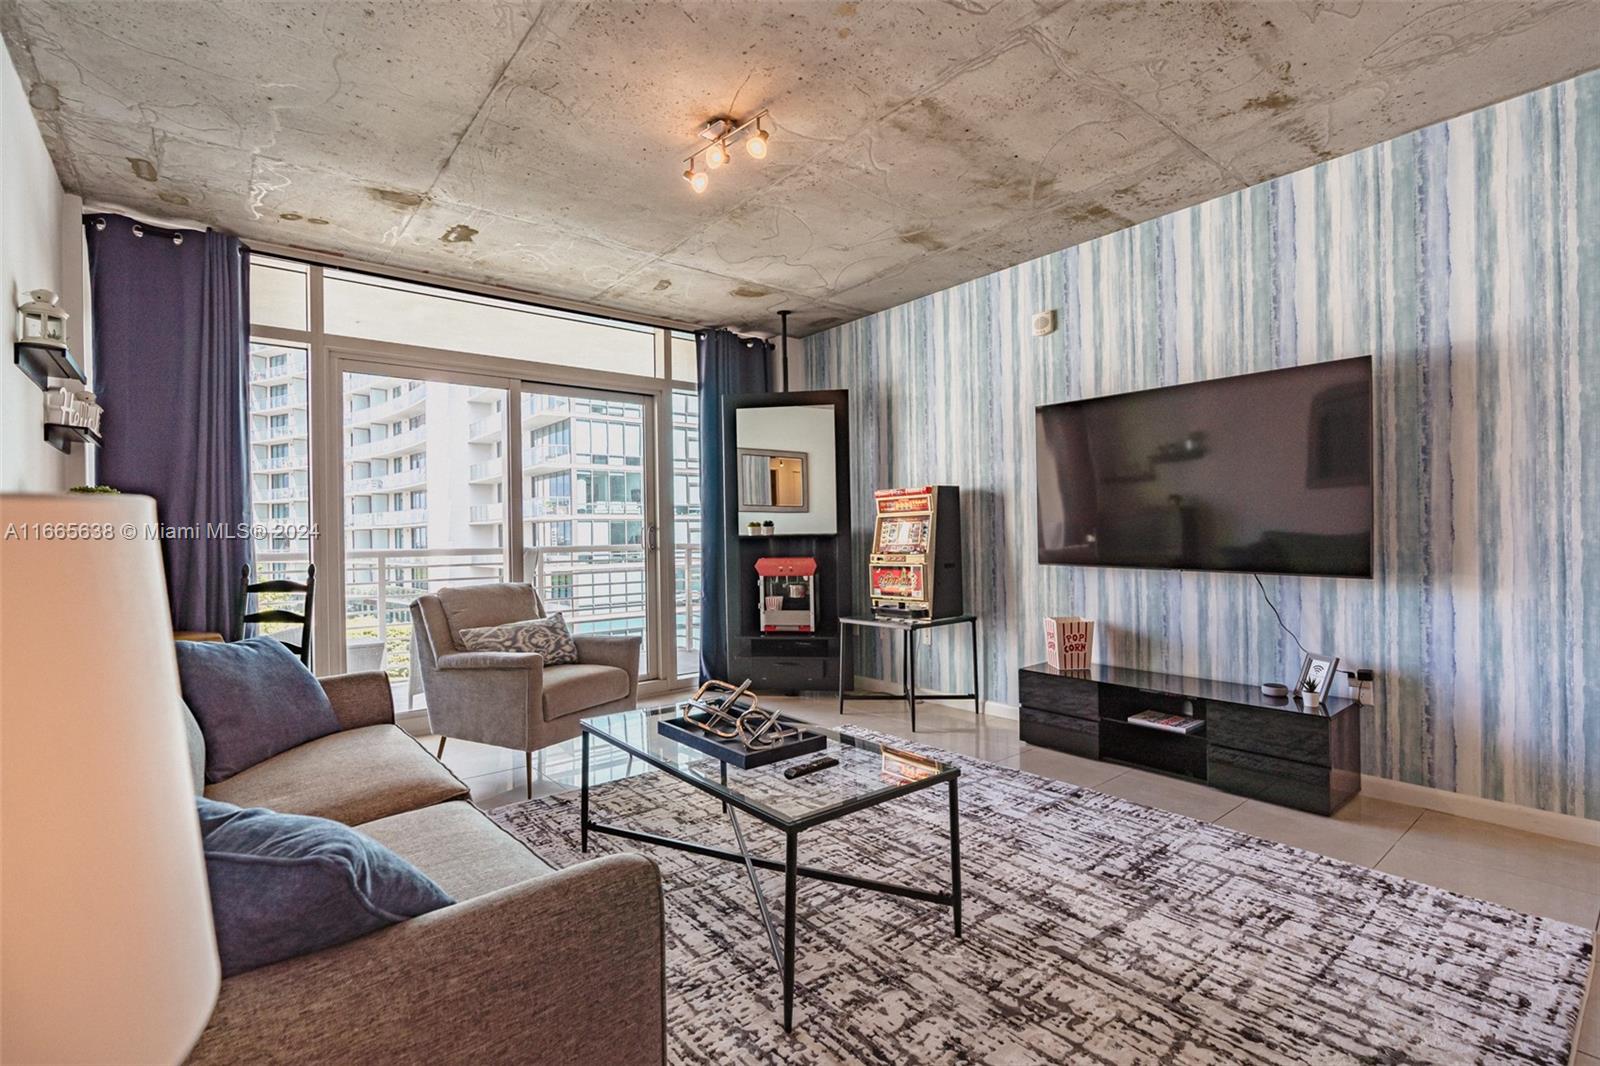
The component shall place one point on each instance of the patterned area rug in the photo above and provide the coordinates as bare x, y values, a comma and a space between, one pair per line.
1097, 930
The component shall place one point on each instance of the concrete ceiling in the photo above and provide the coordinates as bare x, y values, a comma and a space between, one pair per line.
915, 145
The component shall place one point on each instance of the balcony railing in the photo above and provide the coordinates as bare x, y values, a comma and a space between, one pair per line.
607, 507
686, 583
379, 588
278, 373
397, 442
388, 482
388, 410
486, 429
588, 585
547, 455
416, 516
546, 506
281, 462
290, 492
492, 470
268, 434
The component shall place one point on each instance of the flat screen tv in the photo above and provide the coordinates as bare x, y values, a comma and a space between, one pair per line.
1264, 473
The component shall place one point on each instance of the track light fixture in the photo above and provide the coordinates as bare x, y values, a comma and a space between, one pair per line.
721, 133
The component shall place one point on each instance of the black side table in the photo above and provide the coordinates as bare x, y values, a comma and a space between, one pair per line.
908, 629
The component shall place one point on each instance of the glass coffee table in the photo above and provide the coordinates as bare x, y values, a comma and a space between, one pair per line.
861, 780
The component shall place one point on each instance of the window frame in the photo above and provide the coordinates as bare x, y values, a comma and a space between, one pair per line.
329, 355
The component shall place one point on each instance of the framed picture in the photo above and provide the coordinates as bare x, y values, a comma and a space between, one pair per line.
1317, 674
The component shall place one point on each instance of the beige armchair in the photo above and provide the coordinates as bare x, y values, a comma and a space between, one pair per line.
506, 698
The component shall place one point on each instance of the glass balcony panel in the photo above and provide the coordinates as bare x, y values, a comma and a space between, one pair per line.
437, 521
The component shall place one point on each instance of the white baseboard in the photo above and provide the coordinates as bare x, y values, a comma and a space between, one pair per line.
996, 709
1511, 815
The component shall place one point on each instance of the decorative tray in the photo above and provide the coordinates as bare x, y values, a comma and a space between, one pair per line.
737, 752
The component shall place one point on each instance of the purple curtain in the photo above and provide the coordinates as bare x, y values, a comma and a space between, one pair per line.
171, 369
729, 366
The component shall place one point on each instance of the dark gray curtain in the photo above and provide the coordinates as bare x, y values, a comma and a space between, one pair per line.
729, 366
171, 369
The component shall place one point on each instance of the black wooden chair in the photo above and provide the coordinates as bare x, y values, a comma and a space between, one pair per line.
306, 588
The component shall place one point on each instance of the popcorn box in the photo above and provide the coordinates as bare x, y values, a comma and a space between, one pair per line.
1067, 642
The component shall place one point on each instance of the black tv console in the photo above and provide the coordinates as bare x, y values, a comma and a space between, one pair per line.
1268, 748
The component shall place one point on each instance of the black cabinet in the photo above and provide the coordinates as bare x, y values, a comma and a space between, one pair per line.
788, 661
1249, 744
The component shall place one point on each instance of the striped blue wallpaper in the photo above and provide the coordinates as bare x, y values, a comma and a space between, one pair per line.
1465, 258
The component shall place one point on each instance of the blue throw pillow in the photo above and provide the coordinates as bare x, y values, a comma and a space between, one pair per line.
253, 699
286, 884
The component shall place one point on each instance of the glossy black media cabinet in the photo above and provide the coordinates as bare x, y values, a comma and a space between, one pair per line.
1253, 745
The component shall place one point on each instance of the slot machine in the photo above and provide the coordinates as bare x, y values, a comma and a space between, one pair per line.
915, 566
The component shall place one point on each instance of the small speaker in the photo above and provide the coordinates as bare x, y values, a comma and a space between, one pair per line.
1044, 323
1272, 688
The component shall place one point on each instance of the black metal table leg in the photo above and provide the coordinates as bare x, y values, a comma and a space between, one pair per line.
911, 675
583, 798
789, 865
783, 953
905, 666
977, 673
955, 856
724, 784
843, 640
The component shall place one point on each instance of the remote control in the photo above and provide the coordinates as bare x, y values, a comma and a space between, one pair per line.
810, 767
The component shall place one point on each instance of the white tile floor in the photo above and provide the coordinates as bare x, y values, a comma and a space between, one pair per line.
1524, 871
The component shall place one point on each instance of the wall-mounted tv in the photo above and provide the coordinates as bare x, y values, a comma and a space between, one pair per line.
1264, 473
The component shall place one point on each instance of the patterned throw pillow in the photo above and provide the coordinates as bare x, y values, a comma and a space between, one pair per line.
546, 636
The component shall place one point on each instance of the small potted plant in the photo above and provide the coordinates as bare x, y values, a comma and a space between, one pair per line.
1310, 695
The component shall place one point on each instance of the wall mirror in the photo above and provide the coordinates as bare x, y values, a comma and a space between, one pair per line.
786, 468
772, 480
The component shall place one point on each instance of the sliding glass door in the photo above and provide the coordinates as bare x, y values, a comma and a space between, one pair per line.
410, 437
424, 505
589, 532
451, 479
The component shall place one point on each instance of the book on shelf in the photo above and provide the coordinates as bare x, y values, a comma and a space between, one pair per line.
1170, 723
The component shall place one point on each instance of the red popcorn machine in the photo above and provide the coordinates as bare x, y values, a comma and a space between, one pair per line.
787, 590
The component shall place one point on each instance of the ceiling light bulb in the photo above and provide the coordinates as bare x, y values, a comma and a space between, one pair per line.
716, 155
757, 143
698, 180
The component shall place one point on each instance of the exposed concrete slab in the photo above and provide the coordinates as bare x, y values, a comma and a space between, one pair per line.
915, 144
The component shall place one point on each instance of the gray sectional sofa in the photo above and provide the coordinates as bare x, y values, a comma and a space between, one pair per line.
530, 964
